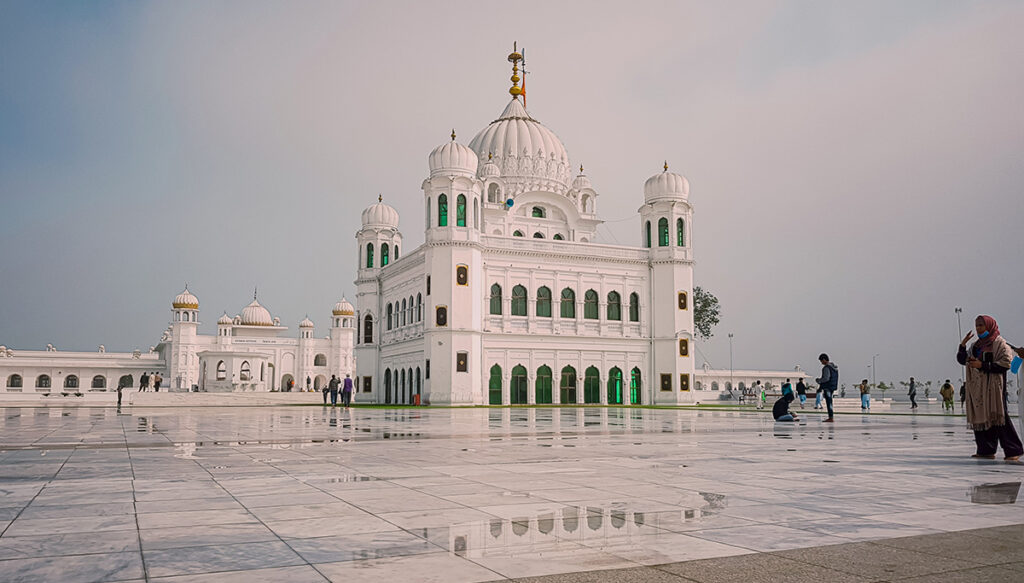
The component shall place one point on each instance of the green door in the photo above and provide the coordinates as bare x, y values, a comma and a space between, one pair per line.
494, 388
634, 387
544, 385
592, 386
567, 388
615, 387
517, 387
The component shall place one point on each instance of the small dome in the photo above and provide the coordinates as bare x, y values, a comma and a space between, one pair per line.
489, 169
256, 315
453, 157
224, 320
581, 181
380, 215
306, 323
666, 186
186, 301
343, 308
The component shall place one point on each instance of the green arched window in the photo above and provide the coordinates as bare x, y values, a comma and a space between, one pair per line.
592, 385
647, 234
543, 385
615, 386
496, 299
634, 307
494, 386
590, 305
369, 255
442, 210
634, 387
518, 301
614, 306
568, 304
460, 211
680, 233
517, 234
518, 386
567, 386
663, 232
544, 302
384, 257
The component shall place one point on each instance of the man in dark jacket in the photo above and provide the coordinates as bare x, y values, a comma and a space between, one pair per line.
828, 382
780, 410
912, 393
333, 385
801, 392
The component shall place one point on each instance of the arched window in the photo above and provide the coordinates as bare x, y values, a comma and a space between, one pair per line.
634, 387
518, 386
517, 234
567, 387
590, 305
537, 212
615, 386
14, 381
368, 329
384, 257
496, 299
71, 382
680, 233
244, 373
493, 193
518, 301
476, 214
419, 307
125, 381
494, 386
662, 232
567, 307
442, 210
460, 211
387, 385
222, 371
592, 385
634, 307
404, 308
320, 360
558, 237
396, 253
614, 307
99, 382
544, 302
543, 385
43, 381
369, 255
538, 235
647, 234
390, 315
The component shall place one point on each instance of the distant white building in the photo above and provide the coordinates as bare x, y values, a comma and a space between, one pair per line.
249, 352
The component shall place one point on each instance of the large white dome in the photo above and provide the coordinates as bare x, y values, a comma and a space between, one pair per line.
453, 158
529, 155
380, 215
666, 186
256, 315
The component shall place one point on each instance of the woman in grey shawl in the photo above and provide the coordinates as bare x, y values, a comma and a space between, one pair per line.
987, 361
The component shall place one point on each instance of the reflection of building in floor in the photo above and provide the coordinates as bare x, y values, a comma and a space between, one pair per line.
249, 353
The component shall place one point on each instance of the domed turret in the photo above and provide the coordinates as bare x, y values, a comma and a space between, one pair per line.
380, 215
185, 301
581, 181
453, 158
224, 320
343, 308
666, 186
489, 169
256, 315
306, 323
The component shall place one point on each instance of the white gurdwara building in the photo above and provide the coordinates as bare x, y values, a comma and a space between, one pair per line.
509, 300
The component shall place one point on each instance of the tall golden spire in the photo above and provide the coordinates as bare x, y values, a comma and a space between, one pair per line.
514, 58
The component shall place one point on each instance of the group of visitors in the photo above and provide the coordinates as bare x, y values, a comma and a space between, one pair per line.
828, 382
145, 379
346, 390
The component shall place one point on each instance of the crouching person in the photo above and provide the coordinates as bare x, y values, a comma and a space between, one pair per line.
781, 408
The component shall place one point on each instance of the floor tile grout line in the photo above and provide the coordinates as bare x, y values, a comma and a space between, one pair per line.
138, 531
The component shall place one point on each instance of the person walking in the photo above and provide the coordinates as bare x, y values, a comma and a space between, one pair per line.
947, 396
912, 393
963, 395
308, 385
987, 361
333, 385
157, 379
346, 391
144, 382
801, 391
761, 397
120, 387
865, 395
787, 387
827, 382
817, 398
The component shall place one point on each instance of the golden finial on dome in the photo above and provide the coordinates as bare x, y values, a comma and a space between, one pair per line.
581, 168
666, 166
490, 155
514, 57
380, 198
453, 134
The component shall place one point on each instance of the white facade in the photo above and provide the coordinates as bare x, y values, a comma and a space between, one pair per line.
250, 352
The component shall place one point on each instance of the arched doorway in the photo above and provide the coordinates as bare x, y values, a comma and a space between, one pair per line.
402, 385
567, 388
634, 387
494, 386
543, 383
615, 386
286, 381
518, 386
387, 386
419, 382
319, 382
592, 385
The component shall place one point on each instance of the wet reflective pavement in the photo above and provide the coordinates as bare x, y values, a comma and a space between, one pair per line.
317, 494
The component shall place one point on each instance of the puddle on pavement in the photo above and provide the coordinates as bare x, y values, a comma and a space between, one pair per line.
1004, 493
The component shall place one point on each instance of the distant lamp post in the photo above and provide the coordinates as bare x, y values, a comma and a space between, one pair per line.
731, 385
873, 369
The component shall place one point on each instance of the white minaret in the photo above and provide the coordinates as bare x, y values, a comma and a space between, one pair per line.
379, 232
304, 360
182, 363
342, 339
665, 229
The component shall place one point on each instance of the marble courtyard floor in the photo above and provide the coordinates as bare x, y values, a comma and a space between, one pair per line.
307, 493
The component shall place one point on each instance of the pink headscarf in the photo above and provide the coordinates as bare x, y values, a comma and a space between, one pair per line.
983, 344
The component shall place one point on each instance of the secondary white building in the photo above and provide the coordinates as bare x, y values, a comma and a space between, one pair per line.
249, 352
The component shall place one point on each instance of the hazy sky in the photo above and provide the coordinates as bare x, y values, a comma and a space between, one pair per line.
855, 166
